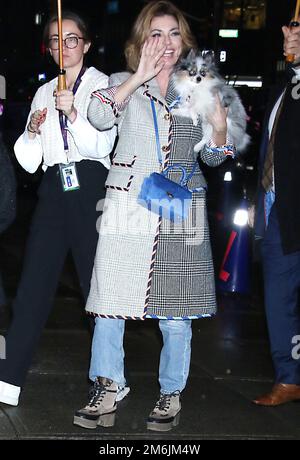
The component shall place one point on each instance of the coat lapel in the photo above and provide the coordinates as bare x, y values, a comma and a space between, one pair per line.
153, 89
172, 94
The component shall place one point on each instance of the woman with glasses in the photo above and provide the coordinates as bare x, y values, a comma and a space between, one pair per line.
75, 159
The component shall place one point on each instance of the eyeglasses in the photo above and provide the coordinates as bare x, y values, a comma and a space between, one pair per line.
69, 42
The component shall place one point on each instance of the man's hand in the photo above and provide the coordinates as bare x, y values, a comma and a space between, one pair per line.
291, 43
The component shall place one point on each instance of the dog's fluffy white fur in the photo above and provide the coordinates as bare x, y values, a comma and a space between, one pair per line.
197, 82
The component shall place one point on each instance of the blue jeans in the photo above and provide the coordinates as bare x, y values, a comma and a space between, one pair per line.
108, 352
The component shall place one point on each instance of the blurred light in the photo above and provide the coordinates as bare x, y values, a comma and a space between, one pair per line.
223, 56
42, 77
252, 82
280, 66
207, 51
241, 217
38, 19
113, 7
2, 87
228, 33
250, 168
228, 177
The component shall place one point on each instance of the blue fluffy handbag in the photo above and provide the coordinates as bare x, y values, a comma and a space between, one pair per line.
169, 199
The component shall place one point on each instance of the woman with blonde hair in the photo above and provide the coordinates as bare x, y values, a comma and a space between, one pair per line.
147, 266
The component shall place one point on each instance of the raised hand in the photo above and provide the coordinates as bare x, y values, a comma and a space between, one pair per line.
151, 63
149, 66
36, 120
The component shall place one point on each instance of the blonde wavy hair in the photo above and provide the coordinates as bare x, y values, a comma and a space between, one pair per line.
141, 28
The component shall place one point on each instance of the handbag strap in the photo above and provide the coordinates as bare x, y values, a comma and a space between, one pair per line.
159, 155
192, 172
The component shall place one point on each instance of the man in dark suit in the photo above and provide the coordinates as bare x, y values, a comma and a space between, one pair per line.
278, 224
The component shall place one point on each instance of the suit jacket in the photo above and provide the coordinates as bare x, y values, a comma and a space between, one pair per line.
286, 171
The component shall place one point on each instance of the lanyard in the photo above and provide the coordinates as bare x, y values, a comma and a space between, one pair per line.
62, 118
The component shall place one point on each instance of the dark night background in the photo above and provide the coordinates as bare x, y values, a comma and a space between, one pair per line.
256, 52
231, 362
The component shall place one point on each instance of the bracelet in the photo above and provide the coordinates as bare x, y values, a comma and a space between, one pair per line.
30, 130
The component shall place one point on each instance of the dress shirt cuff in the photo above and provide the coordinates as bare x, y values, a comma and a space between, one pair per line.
297, 71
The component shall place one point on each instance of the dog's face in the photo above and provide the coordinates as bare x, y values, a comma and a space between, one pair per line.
196, 68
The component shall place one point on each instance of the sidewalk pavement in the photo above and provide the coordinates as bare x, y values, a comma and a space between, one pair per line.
230, 366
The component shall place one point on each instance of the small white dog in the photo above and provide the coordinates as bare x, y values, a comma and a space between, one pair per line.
197, 82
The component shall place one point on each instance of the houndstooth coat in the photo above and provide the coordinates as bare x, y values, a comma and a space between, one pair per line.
145, 266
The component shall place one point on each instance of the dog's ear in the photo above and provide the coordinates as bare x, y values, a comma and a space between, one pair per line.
191, 55
209, 57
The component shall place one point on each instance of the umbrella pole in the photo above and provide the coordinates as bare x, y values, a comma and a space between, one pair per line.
62, 73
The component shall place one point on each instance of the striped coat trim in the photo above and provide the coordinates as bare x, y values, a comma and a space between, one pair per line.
121, 189
95, 315
228, 150
165, 165
106, 100
125, 165
139, 318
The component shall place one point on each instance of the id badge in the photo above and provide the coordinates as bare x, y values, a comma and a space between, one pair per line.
69, 177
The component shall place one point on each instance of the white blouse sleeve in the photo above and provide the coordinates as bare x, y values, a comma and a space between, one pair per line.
89, 141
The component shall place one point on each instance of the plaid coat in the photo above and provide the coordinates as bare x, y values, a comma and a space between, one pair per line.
145, 266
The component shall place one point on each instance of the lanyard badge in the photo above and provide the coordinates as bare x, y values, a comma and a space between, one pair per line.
69, 177
68, 172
